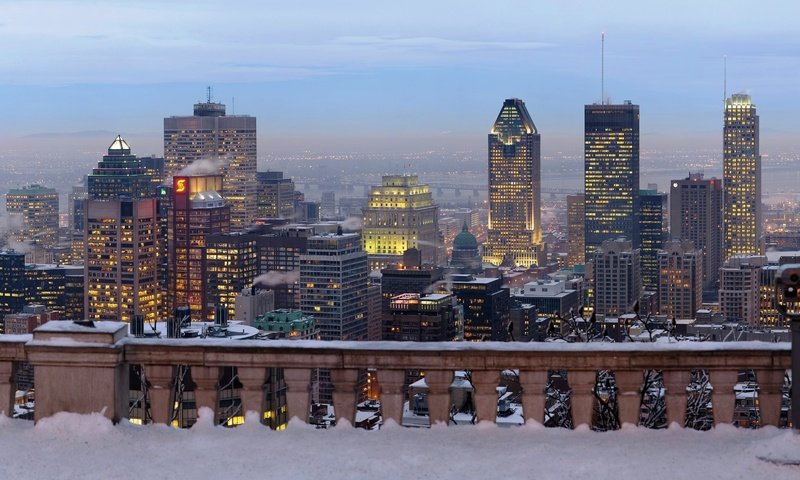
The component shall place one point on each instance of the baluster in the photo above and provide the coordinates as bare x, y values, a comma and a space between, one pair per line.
629, 385
392, 383
344, 393
252, 392
675, 382
298, 383
161, 379
8, 387
533, 394
484, 383
723, 397
770, 395
438, 382
581, 384
206, 393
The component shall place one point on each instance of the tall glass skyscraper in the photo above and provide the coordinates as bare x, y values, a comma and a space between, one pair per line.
741, 173
120, 175
226, 144
515, 226
611, 173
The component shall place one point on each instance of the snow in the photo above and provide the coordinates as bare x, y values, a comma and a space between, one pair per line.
68, 326
69, 446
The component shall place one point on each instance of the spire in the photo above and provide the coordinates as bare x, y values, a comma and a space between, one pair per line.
119, 146
465, 227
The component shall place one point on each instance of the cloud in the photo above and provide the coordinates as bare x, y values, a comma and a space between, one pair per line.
274, 278
434, 43
204, 166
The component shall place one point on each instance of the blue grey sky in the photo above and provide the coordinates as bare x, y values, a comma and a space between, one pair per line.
356, 75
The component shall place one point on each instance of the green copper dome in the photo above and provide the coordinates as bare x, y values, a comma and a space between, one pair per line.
465, 240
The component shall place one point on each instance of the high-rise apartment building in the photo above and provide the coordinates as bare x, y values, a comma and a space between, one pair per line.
696, 216
739, 296
575, 230
120, 175
12, 281
741, 172
198, 210
216, 143
333, 285
680, 279
486, 306
652, 211
611, 173
515, 188
400, 214
418, 317
231, 265
275, 195
618, 282
33, 214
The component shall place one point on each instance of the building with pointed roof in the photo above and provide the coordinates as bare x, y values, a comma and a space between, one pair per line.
120, 175
515, 229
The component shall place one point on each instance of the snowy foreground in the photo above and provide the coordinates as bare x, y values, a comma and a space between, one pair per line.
89, 446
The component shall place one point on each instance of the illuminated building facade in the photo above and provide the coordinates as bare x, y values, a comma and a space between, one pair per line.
154, 166
618, 281
611, 174
225, 143
12, 281
414, 317
333, 285
198, 210
400, 214
486, 307
120, 259
741, 172
275, 195
575, 230
652, 211
231, 265
515, 230
33, 214
120, 175
280, 254
739, 289
696, 216
680, 279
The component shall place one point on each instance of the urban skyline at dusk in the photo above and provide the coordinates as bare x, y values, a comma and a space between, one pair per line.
358, 78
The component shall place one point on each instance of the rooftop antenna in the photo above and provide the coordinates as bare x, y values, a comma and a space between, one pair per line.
208, 94
724, 79
602, 68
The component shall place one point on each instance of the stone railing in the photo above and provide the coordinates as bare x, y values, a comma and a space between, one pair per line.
82, 369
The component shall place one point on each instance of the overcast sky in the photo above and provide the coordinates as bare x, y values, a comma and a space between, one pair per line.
346, 74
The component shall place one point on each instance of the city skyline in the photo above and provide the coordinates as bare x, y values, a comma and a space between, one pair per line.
314, 87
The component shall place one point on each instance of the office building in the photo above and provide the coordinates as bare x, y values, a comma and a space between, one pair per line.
198, 210
333, 285
12, 281
680, 279
251, 303
515, 229
400, 214
28, 319
486, 306
576, 247
551, 298
327, 205
216, 143
421, 318
618, 281
739, 285
155, 168
696, 216
741, 173
231, 266
119, 175
33, 214
611, 174
279, 263
652, 212
275, 195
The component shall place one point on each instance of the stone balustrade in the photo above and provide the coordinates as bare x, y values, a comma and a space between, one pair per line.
83, 370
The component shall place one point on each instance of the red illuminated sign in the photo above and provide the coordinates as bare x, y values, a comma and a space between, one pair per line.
180, 184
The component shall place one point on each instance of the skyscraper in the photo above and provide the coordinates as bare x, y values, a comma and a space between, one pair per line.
653, 209
198, 210
33, 211
275, 195
611, 173
120, 248
225, 144
696, 215
515, 226
618, 284
739, 282
576, 218
741, 172
400, 214
333, 285
680, 277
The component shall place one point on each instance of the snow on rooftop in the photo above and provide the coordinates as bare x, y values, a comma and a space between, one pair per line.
90, 447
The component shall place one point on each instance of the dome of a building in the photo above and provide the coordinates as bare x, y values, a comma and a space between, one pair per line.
465, 240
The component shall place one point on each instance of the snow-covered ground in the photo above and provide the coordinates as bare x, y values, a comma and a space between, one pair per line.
89, 447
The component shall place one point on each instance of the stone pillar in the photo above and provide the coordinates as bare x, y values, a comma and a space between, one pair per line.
723, 397
206, 392
533, 394
392, 383
7, 388
344, 393
252, 392
161, 379
439, 401
298, 382
629, 386
675, 382
484, 383
80, 369
770, 383
581, 384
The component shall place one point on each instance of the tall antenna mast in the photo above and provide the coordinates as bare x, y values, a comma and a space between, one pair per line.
208, 94
724, 79
602, 68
